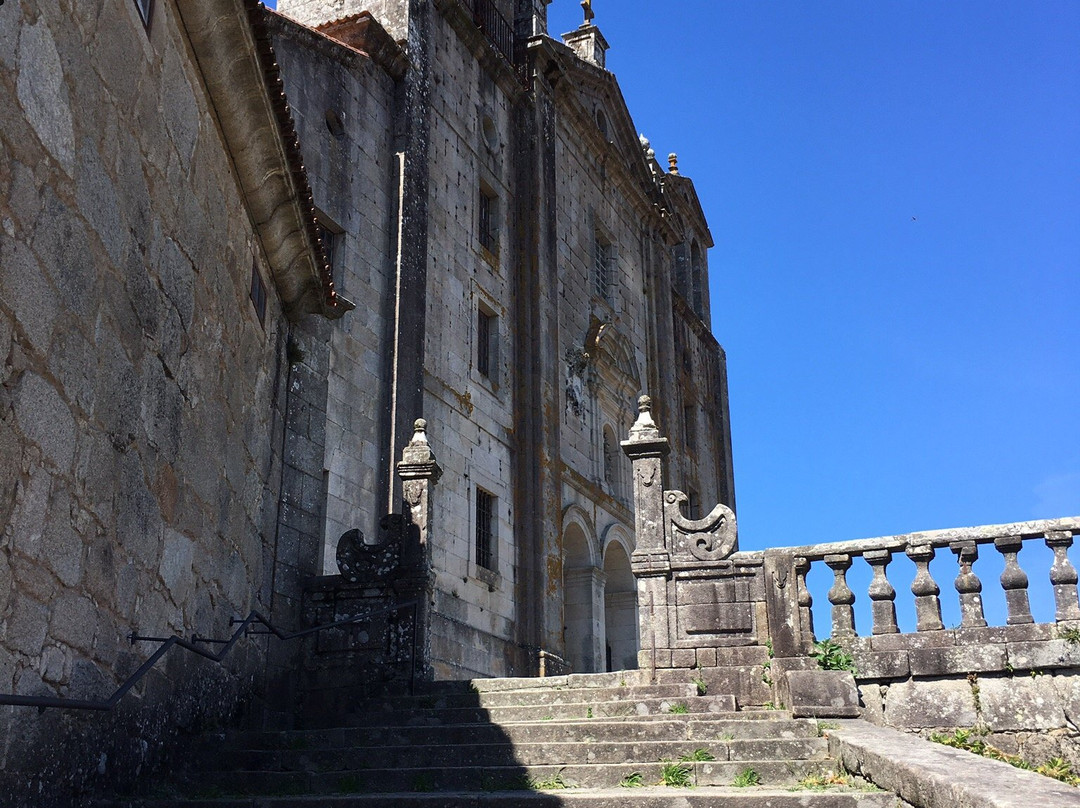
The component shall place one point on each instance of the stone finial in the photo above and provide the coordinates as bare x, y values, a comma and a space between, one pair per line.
419, 431
644, 427
586, 7
673, 163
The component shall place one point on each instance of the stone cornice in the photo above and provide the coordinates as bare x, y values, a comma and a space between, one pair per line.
231, 45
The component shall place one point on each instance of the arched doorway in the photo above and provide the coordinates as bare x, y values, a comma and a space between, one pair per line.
620, 609
583, 593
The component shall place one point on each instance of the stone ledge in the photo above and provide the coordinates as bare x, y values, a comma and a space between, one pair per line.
929, 775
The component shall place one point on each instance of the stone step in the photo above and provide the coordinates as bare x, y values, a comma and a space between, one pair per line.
525, 698
664, 727
509, 754
646, 797
628, 708
493, 778
611, 679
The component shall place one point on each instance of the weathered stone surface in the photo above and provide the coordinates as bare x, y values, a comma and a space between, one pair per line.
921, 703
934, 776
1021, 703
958, 659
821, 694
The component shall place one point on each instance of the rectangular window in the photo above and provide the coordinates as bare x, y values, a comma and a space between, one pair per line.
489, 221
693, 504
602, 269
145, 8
258, 292
688, 424
487, 344
485, 529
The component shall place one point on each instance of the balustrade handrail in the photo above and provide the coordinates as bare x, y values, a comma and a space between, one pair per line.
985, 534
244, 628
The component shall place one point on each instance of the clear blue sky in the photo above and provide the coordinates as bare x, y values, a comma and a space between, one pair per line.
894, 192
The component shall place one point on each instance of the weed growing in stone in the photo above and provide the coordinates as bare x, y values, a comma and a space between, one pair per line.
823, 781
549, 784
678, 709
701, 685
632, 780
825, 726
968, 740
1071, 635
727, 736
746, 778
675, 775
831, 656
697, 755
588, 713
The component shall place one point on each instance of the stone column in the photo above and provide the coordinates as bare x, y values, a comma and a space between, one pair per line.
419, 472
651, 559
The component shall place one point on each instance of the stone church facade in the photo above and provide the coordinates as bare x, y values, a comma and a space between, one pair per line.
241, 252
524, 268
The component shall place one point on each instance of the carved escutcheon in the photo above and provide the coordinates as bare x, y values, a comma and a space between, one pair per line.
710, 539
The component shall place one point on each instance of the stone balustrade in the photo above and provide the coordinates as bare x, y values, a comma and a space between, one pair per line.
964, 545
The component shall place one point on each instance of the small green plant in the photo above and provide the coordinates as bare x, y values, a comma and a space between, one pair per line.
588, 712
1071, 635
822, 781
969, 740
765, 676
746, 778
632, 780
675, 775
678, 708
831, 656
772, 706
549, 784
727, 736
701, 685
423, 782
697, 755
825, 726
548, 718
1059, 769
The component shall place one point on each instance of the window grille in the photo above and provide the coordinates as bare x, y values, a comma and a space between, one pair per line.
485, 333
485, 533
602, 270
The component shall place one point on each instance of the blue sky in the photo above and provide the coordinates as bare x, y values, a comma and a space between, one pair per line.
894, 192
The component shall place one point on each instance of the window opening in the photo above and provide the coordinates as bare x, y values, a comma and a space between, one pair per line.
485, 529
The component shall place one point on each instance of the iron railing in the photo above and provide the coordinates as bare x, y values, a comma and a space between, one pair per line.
244, 628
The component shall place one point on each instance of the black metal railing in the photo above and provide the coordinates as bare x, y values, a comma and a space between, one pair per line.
244, 628
495, 27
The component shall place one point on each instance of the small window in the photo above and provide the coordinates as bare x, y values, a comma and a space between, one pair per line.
688, 424
487, 343
489, 221
485, 529
146, 8
602, 268
258, 292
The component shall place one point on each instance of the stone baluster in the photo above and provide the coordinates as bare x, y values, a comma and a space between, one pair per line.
925, 589
841, 597
806, 600
1014, 581
882, 594
968, 586
1063, 576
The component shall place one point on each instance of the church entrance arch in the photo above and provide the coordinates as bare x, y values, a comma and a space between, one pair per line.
620, 609
583, 588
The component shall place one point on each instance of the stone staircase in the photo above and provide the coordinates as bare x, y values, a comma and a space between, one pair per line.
589, 739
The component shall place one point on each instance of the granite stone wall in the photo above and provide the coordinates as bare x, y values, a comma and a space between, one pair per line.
139, 392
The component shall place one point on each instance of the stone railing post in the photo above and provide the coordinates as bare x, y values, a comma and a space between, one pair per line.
841, 597
419, 472
925, 589
1063, 576
651, 559
968, 586
1014, 581
882, 594
806, 605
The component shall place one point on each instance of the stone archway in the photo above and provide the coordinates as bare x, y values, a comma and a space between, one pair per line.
620, 609
583, 593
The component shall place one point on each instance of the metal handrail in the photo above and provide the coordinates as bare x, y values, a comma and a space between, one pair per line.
244, 628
